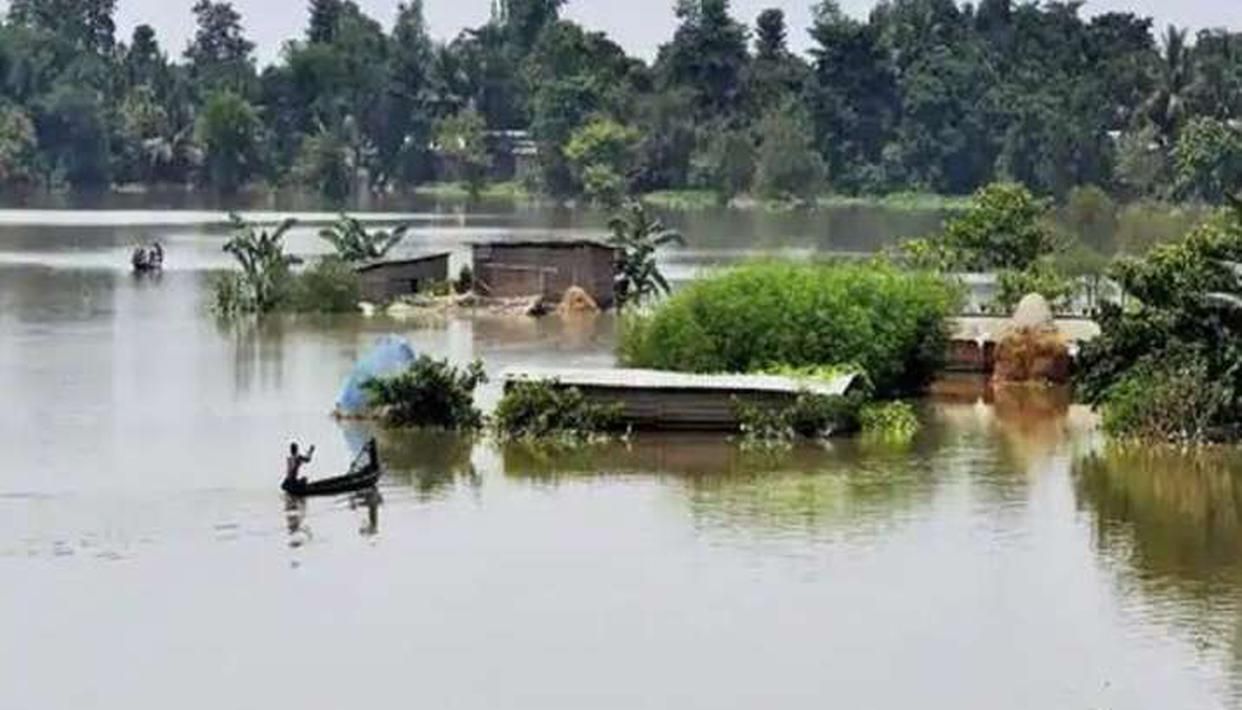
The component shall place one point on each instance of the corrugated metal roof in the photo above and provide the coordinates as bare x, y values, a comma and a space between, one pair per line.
368, 266
661, 380
544, 243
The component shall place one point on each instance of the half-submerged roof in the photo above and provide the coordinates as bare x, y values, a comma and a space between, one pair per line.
610, 378
545, 244
404, 261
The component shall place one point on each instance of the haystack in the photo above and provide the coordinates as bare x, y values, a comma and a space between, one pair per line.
576, 301
1032, 348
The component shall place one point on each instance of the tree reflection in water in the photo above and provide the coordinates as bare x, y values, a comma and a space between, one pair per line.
1171, 522
430, 462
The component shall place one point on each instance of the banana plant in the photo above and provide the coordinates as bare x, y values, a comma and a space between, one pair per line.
637, 235
353, 243
265, 265
1231, 299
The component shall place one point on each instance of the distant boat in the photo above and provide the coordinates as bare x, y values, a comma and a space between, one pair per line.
363, 474
147, 261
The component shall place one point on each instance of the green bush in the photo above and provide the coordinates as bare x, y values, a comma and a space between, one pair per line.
1166, 400
1173, 356
430, 394
809, 416
889, 420
328, 286
1005, 228
890, 323
1042, 278
541, 410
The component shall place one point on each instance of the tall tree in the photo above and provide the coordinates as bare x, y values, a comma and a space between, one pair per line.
412, 98
228, 130
325, 17
220, 57
145, 63
707, 57
575, 74
1166, 106
776, 75
853, 98
87, 25
771, 35
527, 19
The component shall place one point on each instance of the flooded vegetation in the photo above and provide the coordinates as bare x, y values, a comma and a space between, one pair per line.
1000, 555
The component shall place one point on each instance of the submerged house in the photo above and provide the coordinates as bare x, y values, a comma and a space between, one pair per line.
390, 279
546, 269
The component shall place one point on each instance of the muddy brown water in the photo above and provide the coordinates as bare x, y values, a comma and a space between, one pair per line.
1005, 558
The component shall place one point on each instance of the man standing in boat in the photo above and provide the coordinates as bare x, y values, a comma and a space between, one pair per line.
293, 466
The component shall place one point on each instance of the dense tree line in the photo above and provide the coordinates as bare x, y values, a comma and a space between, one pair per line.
923, 95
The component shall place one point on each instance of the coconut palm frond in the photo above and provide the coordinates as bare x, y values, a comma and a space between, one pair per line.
1226, 300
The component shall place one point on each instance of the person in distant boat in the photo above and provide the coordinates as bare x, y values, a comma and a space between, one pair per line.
293, 466
157, 254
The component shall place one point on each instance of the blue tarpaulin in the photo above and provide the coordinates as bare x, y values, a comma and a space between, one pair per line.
391, 355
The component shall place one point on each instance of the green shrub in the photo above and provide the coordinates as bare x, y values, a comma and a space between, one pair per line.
808, 416
1042, 278
431, 394
328, 286
889, 420
1005, 228
1172, 400
1168, 366
891, 323
542, 410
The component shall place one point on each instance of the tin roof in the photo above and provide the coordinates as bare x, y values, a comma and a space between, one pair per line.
544, 244
371, 265
662, 380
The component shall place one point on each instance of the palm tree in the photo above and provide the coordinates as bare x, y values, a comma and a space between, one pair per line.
1230, 299
355, 244
1166, 107
637, 235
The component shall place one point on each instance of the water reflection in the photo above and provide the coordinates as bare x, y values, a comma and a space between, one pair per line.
295, 521
296, 515
429, 462
1170, 522
726, 485
370, 502
1176, 517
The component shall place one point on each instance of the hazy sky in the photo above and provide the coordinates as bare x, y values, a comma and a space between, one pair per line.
639, 25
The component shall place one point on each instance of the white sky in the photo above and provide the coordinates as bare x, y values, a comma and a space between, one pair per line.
639, 25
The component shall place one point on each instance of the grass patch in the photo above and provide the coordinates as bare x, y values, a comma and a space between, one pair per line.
687, 200
511, 191
908, 201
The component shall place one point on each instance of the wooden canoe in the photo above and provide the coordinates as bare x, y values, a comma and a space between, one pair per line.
360, 478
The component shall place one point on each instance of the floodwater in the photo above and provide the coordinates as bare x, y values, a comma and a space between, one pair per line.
1005, 559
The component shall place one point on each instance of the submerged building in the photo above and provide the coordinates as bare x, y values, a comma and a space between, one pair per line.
546, 269
387, 280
